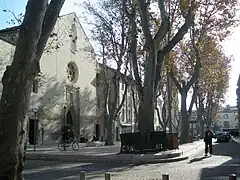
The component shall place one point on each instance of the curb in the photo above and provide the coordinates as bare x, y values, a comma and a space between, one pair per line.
167, 160
115, 159
235, 141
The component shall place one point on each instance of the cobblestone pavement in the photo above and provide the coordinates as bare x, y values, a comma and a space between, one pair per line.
226, 160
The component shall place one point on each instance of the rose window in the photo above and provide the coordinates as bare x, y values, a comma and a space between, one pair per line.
72, 72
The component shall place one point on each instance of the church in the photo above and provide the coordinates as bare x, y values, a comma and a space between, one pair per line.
64, 92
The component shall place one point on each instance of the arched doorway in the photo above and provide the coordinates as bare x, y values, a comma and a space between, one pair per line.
69, 118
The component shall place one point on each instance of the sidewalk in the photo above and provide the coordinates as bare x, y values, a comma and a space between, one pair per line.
236, 139
110, 154
190, 149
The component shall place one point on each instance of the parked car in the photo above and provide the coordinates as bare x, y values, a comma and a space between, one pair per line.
223, 137
214, 135
229, 135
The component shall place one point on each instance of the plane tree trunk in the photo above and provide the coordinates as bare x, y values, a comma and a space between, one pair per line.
38, 22
155, 58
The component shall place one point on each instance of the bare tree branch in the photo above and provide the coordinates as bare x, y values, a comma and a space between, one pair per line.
50, 19
144, 14
165, 24
193, 99
175, 81
180, 34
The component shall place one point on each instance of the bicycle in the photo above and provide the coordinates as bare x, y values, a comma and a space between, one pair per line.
65, 144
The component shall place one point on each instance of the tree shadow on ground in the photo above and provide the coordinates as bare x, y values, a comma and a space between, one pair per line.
229, 167
198, 159
201, 158
48, 100
60, 171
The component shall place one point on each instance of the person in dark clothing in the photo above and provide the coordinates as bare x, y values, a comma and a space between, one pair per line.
208, 141
67, 133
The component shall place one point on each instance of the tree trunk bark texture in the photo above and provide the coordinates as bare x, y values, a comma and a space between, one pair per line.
146, 122
108, 119
109, 140
112, 106
17, 83
201, 120
184, 119
146, 114
38, 22
111, 112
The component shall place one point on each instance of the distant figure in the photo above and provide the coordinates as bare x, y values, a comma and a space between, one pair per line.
94, 138
208, 141
67, 134
83, 139
42, 133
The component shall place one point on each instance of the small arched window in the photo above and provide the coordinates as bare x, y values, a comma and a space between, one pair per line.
74, 38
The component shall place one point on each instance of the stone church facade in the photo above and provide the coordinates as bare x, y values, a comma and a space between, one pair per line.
65, 90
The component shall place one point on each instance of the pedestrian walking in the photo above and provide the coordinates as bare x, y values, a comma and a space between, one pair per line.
208, 141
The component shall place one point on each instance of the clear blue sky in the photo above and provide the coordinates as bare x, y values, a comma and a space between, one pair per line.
16, 6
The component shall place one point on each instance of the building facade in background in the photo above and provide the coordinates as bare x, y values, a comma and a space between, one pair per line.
227, 119
126, 120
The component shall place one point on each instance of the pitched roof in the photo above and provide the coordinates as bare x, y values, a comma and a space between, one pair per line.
10, 35
111, 71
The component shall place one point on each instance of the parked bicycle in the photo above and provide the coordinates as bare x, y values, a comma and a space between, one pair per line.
68, 139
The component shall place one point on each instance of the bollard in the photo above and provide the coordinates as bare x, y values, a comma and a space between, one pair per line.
165, 177
232, 177
82, 175
107, 176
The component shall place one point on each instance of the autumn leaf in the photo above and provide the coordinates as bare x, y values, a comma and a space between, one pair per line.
184, 6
